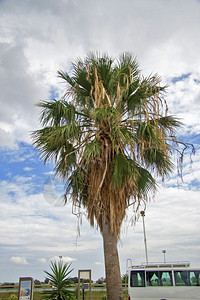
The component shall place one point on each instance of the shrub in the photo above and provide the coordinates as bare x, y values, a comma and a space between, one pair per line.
12, 297
59, 280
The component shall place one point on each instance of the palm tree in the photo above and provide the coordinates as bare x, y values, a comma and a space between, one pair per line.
59, 279
110, 136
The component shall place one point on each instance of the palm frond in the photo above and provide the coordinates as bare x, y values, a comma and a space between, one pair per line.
92, 151
146, 182
169, 122
52, 141
125, 170
128, 64
56, 113
158, 160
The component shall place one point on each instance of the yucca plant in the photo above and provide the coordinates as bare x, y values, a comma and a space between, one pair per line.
59, 280
110, 137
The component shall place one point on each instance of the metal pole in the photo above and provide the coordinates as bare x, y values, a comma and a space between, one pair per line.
79, 283
145, 239
83, 293
164, 251
126, 279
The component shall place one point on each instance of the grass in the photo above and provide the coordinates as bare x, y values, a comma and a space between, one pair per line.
38, 295
5, 296
96, 295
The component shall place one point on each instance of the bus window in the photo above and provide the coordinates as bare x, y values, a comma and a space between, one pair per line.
194, 277
166, 278
181, 278
137, 279
159, 278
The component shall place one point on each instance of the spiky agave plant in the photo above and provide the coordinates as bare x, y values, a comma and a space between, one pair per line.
59, 280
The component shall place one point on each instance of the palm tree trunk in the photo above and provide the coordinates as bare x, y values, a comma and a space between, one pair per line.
113, 276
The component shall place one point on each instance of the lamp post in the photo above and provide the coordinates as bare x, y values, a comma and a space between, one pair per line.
164, 252
145, 239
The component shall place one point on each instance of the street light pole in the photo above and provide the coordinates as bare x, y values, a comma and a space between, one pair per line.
145, 239
164, 252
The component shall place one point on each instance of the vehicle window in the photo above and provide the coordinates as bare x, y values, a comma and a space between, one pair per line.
159, 278
181, 278
166, 278
137, 279
194, 277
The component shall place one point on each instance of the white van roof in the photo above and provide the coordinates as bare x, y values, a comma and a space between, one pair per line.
185, 264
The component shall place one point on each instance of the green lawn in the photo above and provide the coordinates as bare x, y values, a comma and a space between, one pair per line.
38, 296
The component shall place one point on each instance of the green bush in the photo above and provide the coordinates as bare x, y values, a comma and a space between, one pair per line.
59, 280
12, 297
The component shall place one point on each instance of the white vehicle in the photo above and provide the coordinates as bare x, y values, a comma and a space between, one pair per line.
168, 281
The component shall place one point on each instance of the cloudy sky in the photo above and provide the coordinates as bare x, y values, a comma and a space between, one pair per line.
39, 37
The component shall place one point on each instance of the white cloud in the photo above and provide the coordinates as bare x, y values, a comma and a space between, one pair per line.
27, 169
98, 263
184, 101
32, 51
18, 260
7, 138
19, 115
65, 259
42, 260
52, 173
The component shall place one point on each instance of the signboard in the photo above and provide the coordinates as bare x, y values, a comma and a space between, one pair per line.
25, 288
84, 275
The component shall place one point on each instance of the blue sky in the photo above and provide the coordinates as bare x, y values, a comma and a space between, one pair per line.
38, 38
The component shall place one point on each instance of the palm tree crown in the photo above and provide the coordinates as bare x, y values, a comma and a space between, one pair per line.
109, 135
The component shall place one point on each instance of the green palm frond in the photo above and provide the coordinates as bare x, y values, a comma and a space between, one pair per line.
103, 64
52, 141
56, 112
146, 182
106, 118
127, 64
125, 135
125, 170
157, 159
147, 132
65, 76
77, 186
169, 122
66, 161
92, 151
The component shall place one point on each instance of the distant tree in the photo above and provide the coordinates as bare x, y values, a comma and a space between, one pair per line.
46, 281
74, 279
124, 278
8, 283
99, 281
37, 282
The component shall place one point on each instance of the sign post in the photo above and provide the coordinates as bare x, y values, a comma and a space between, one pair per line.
84, 274
25, 288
